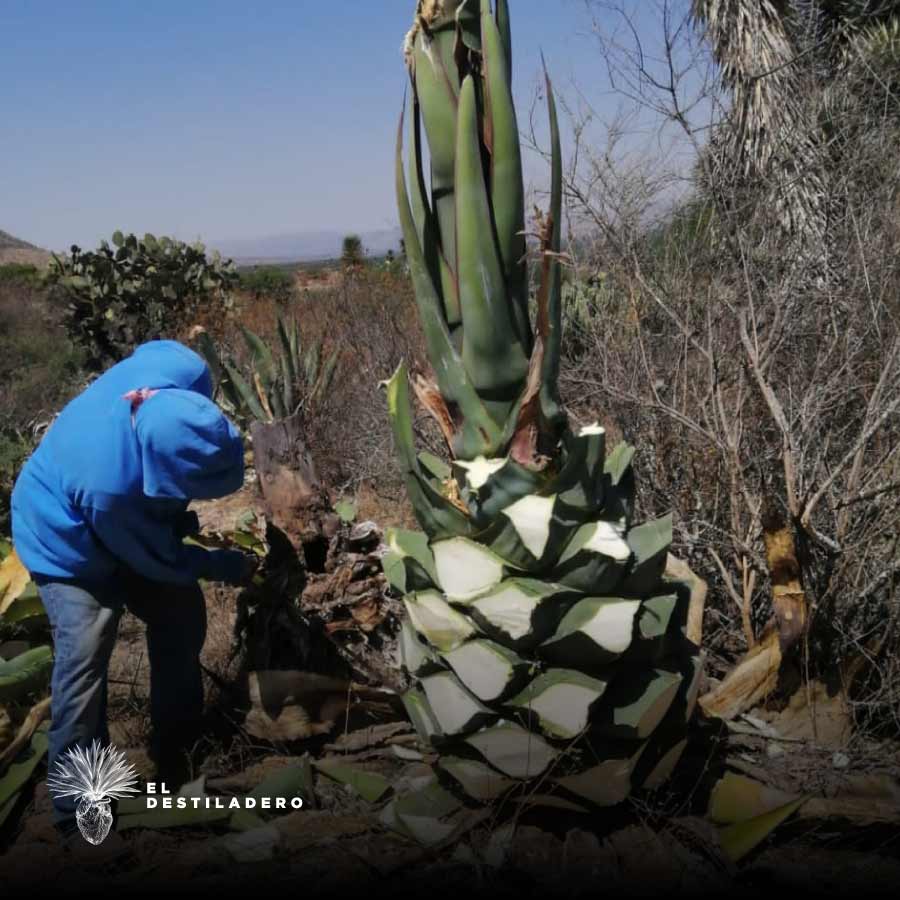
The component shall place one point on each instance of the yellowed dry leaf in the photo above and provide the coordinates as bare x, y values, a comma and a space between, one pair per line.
14, 578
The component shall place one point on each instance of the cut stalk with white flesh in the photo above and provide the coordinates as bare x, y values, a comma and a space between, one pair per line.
465, 569
420, 714
426, 814
515, 609
480, 469
414, 653
637, 702
454, 708
409, 563
513, 750
595, 631
486, 668
531, 517
479, 781
653, 623
605, 784
600, 537
649, 543
596, 559
438, 622
562, 701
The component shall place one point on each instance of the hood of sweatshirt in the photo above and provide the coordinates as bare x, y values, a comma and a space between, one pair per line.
189, 449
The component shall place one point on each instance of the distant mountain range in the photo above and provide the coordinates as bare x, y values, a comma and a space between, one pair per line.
307, 246
15, 250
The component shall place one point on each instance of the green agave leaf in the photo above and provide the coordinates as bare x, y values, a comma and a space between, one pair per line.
437, 264
492, 350
288, 352
436, 514
480, 434
27, 674
649, 545
245, 394
436, 84
507, 187
503, 28
263, 361
20, 771
208, 351
551, 407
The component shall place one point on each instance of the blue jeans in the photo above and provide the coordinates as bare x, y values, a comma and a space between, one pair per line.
84, 619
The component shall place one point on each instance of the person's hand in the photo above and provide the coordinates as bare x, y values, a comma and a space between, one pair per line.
249, 568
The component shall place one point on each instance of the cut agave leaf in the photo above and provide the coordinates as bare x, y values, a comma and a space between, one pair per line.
408, 564
420, 714
369, 785
562, 701
486, 668
465, 569
531, 518
423, 814
580, 482
650, 544
479, 470
513, 750
500, 489
653, 622
660, 773
415, 654
455, 709
605, 784
479, 781
437, 621
637, 701
596, 558
595, 631
520, 610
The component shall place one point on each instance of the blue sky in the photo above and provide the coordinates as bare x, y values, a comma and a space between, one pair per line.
223, 119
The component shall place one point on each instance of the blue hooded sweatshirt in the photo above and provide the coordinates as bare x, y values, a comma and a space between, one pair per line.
108, 486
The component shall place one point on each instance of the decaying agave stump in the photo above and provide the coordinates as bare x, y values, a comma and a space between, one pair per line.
341, 601
296, 500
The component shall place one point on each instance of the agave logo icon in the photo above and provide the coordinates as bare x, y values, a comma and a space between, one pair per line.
97, 776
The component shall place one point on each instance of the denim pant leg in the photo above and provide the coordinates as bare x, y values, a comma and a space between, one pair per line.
83, 620
175, 617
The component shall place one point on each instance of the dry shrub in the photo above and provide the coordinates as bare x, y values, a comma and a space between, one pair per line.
757, 378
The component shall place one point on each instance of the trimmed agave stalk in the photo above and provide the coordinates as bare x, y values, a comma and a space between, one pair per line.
543, 638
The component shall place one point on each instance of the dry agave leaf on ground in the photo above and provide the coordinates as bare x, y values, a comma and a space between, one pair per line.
863, 799
813, 715
369, 785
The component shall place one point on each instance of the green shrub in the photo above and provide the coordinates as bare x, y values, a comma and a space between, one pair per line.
24, 273
139, 291
270, 281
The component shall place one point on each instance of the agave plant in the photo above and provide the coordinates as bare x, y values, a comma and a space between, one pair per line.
276, 386
544, 640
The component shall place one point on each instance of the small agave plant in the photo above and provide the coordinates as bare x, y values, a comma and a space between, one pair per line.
546, 644
96, 776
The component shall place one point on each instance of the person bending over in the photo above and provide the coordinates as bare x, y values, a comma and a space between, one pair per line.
99, 517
